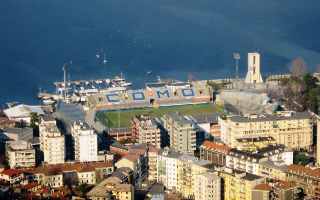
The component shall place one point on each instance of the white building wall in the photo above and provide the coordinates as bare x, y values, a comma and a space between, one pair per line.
54, 150
207, 187
88, 148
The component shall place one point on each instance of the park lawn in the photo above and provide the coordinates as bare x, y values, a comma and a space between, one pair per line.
111, 118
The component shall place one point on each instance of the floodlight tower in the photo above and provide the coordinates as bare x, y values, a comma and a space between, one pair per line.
236, 57
64, 68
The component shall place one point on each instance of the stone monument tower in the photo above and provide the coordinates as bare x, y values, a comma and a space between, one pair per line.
253, 74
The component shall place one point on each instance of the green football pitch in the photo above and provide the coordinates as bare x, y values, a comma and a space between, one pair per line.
122, 118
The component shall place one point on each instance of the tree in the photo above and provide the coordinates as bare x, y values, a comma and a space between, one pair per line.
34, 121
298, 67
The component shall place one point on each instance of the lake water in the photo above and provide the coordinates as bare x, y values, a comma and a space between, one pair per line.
171, 38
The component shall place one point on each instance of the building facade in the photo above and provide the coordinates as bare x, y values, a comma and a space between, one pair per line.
250, 161
207, 186
239, 185
177, 171
145, 129
52, 142
307, 178
21, 154
292, 129
214, 152
182, 132
85, 142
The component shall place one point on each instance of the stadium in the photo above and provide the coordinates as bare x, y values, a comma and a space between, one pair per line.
154, 95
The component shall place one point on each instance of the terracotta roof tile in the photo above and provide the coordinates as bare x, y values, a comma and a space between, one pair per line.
302, 170
216, 147
11, 172
59, 168
263, 186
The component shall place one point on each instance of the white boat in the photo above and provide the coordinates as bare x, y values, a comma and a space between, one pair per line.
126, 84
48, 101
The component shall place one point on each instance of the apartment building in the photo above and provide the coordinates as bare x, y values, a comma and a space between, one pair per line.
188, 167
214, 152
137, 161
273, 169
167, 168
152, 163
21, 154
47, 126
85, 142
207, 186
238, 185
307, 178
250, 161
69, 173
177, 171
276, 190
111, 188
182, 132
292, 129
145, 129
52, 142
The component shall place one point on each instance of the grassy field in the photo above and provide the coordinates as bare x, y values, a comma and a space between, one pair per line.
111, 118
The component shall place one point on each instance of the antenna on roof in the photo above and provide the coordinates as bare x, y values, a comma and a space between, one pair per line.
236, 57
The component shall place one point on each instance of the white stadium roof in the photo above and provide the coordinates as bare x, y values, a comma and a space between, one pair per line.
21, 111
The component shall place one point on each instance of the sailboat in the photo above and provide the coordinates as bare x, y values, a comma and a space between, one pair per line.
98, 54
104, 59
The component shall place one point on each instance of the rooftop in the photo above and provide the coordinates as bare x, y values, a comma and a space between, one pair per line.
259, 154
59, 168
20, 145
178, 118
275, 165
240, 174
25, 134
302, 170
268, 117
22, 110
146, 122
220, 147
81, 125
206, 118
107, 185
263, 186
11, 172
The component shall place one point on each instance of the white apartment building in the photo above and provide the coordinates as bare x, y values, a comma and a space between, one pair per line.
85, 142
52, 142
47, 126
54, 149
207, 186
177, 171
250, 161
168, 169
21, 154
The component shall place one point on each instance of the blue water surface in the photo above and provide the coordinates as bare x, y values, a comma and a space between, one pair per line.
171, 38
